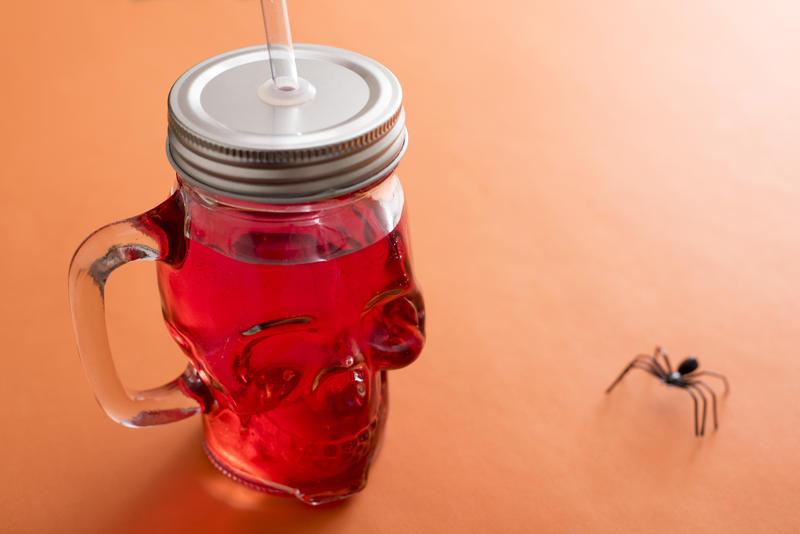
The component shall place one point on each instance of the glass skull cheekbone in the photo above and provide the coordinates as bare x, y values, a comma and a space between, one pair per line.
291, 316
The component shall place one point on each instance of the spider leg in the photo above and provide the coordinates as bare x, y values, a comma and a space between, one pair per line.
718, 375
657, 365
660, 351
713, 398
652, 359
703, 397
643, 365
648, 359
663, 371
694, 398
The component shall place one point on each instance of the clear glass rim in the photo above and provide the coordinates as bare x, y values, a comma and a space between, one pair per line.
219, 201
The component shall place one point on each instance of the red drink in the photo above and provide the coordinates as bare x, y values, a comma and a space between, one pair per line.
293, 352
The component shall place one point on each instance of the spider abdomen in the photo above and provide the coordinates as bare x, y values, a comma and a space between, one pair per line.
688, 365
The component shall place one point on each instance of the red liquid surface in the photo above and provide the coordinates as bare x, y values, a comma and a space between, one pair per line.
293, 357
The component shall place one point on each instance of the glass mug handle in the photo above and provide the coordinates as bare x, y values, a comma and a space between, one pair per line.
135, 239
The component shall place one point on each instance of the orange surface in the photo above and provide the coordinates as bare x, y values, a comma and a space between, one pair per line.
586, 180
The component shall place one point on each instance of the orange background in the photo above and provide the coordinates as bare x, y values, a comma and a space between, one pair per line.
585, 180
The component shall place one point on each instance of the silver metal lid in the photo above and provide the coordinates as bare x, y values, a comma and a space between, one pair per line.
222, 137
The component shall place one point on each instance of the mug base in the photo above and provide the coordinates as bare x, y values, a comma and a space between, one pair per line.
274, 488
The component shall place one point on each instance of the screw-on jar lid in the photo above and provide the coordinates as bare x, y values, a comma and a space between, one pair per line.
224, 138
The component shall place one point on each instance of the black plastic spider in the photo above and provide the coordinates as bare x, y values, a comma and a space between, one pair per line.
685, 377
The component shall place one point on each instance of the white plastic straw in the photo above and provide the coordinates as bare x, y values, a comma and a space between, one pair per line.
284, 88
279, 44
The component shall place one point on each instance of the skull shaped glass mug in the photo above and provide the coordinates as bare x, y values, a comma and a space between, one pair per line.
283, 267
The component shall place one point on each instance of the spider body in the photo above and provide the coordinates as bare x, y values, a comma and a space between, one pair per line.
686, 377
674, 379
